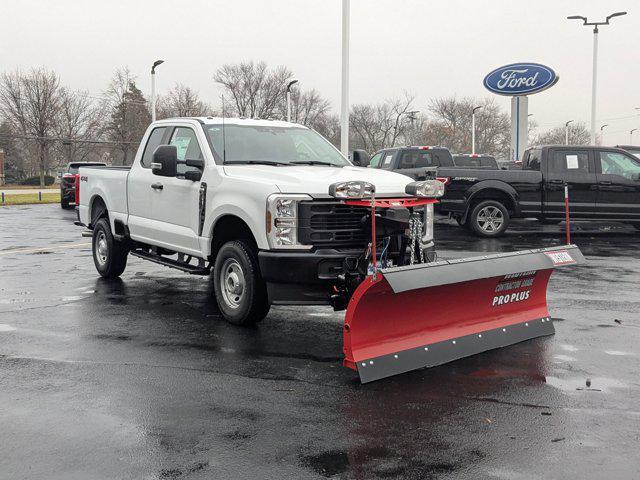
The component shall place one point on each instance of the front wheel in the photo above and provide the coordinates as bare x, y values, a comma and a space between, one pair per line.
489, 218
240, 291
109, 255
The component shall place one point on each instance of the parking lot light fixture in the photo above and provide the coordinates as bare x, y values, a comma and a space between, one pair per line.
153, 88
566, 132
602, 133
631, 135
594, 80
289, 85
473, 128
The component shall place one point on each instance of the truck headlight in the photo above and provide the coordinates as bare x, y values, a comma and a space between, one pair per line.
282, 221
353, 189
425, 188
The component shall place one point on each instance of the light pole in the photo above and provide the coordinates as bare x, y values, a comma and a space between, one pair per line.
594, 80
289, 85
153, 89
602, 133
344, 104
566, 132
631, 135
473, 128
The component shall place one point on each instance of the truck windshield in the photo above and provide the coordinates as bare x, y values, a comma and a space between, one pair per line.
272, 145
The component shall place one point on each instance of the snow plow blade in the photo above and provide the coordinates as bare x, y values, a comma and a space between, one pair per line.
428, 314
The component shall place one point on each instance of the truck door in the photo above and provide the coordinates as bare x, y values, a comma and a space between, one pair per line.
576, 168
618, 177
174, 207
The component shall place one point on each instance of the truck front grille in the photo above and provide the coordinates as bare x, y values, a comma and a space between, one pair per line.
330, 223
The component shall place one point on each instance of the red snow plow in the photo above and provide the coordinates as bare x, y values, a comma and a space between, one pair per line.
422, 314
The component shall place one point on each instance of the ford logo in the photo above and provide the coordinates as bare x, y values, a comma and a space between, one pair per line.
520, 79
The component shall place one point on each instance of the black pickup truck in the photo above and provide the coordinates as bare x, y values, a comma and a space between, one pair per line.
603, 182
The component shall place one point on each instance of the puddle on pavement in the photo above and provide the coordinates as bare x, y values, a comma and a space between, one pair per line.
597, 384
6, 328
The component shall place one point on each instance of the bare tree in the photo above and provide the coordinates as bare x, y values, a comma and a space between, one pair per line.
578, 135
30, 102
382, 125
450, 126
255, 90
182, 101
128, 111
79, 122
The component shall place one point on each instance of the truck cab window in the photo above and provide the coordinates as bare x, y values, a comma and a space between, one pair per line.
185, 140
532, 161
614, 163
567, 161
416, 159
155, 139
375, 160
386, 163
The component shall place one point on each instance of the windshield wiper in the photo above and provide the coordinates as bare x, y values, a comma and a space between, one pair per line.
255, 162
315, 162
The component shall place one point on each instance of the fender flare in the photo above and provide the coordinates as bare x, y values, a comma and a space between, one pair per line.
503, 187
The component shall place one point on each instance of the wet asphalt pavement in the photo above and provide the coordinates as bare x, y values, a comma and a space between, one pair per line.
141, 378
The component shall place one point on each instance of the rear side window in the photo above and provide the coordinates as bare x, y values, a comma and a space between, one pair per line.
569, 162
532, 162
416, 159
155, 140
386, 161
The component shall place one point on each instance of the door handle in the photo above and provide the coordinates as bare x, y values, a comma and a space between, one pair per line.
157, 186
557, 182
605, 182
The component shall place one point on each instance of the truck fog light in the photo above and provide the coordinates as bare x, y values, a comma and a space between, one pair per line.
426, 188
353, 189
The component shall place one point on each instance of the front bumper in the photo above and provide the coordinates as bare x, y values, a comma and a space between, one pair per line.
305, 278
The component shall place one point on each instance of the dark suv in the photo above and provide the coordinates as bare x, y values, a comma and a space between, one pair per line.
68, 182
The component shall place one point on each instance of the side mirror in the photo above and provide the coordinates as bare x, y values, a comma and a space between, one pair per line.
165, 161
193, 175
360, 158
195, 163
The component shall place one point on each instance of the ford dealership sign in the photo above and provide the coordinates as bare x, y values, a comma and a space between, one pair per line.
520, 79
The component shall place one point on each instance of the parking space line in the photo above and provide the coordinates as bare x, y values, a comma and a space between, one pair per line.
45, 249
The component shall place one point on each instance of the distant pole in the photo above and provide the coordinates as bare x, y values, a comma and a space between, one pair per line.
344, 106
153, 88
631, 136
602, 133
566, 132
594, 80
289, 85
473, 128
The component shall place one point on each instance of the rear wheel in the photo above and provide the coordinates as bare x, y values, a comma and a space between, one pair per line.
489, 218
240, 291
109, 255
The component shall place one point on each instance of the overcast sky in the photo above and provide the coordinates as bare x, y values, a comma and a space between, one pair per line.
430, 48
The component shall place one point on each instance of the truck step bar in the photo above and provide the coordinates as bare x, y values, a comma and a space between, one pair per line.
180, 264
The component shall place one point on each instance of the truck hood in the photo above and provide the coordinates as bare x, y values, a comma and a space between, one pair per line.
315, 180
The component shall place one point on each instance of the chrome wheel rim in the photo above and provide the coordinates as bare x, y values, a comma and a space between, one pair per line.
232, 283
102, 248
490, 219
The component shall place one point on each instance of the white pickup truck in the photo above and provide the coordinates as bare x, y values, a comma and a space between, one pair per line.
256, 203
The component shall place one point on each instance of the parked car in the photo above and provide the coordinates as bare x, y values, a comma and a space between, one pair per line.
254, 202
68, 182
632, 149
416, 162
603, 182
475, 160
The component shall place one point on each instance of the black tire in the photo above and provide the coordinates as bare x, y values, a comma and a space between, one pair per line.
489, 219
241, 293
109, 255
64, 203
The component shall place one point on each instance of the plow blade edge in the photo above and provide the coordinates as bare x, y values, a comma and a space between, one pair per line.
429, 314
